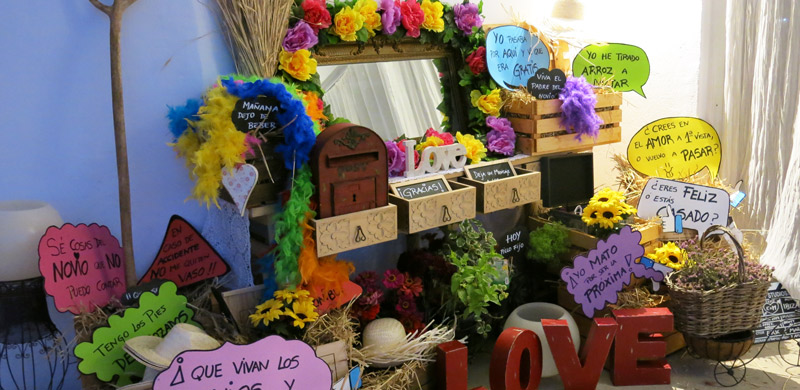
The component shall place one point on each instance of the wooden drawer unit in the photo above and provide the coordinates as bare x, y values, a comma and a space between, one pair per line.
355, 230
416, 215
506, 193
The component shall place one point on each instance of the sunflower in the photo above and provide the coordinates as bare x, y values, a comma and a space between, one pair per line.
286, 295
605, 217
267, 312
671, 255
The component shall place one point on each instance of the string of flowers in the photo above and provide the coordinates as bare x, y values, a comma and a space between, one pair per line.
317, 23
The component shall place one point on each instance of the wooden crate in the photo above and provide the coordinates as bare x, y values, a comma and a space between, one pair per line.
355, 230
651, 235
539, 129
507, 193
416, 215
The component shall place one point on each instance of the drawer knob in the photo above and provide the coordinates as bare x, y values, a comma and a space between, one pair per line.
515, 196
446, 214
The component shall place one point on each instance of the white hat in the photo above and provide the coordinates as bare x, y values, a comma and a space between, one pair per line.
157, 353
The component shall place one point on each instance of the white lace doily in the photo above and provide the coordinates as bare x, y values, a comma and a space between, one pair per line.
229, 234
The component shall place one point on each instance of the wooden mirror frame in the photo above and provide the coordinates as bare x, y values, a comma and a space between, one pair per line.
380, 49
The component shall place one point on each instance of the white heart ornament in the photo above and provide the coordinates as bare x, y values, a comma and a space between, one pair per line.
240, 184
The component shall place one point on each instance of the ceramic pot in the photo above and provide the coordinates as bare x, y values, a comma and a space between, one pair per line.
530, 315
22, 225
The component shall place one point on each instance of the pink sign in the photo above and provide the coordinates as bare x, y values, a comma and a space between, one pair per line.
271, 363
83, 266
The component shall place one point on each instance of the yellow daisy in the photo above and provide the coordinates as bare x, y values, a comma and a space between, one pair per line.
671, 255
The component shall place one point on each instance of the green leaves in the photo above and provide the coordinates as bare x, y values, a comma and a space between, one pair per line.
362, 35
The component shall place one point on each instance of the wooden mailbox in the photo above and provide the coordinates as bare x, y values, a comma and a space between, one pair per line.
348, 163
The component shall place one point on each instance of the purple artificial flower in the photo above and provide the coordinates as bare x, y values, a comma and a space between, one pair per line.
501, 139
396, 159
467, 17
502, 125
390, 18
299, 37
577, 104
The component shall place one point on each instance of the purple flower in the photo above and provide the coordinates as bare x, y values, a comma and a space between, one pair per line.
299, 37
396, 159
390, 17
501, 139
502, 125
467, 17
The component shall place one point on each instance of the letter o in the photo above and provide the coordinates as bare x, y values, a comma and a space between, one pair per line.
516, 361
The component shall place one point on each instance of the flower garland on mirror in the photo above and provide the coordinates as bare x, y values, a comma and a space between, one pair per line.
316, 23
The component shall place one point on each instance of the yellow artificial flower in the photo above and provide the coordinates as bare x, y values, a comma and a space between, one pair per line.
605, 217
430, 141
286, 295
303, 295
433, 15
299, 64
671, 255
607, 197
369, 10
267, 312
475, 149
488, 104
347, 22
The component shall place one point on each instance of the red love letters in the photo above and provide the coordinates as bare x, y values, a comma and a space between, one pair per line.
517, 356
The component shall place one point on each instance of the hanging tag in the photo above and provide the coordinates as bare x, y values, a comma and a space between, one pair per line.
738, 196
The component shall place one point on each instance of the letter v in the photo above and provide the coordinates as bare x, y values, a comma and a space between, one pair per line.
584, 373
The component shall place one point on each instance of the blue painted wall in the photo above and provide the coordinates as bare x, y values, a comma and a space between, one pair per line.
56, 131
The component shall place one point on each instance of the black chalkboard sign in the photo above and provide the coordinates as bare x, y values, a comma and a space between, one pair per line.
421, 188
512, 244
259, 113
547, 84
780, 318
131, 296
490, 172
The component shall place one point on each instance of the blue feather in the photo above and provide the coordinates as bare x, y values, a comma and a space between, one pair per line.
178, 115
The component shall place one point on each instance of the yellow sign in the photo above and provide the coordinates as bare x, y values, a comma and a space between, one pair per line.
675, 148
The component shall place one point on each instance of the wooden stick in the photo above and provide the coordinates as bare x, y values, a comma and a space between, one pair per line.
114, 12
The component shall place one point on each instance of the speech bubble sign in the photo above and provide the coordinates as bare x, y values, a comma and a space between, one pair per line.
547, 84
624, 67
513, 55
155, 316
270, 363
675, 148
185, 257
699, 207
82, 265
598, 276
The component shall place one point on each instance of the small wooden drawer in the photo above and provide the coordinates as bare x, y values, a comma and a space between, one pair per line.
507, 193
416, 215
355, 230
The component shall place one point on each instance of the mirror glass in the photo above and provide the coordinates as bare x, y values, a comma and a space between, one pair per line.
391, 98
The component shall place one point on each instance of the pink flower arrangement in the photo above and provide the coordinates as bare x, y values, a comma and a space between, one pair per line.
413, 16
399, 300
393, 279
446, 137
501, 138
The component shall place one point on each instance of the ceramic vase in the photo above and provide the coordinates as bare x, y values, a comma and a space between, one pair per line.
530, 315
22, 225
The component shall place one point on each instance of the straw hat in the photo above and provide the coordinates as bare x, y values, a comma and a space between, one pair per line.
157, 353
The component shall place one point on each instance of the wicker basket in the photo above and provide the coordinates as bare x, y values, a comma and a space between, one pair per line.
728, 347
722, 311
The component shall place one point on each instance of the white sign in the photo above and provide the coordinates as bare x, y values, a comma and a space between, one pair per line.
434, 158
695, 206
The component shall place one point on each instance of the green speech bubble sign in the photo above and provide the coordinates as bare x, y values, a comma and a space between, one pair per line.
623, 67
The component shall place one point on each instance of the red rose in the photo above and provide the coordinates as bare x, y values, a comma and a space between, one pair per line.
477, 60
413, 16
316, 14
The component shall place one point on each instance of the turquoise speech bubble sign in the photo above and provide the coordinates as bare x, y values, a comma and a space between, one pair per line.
513, 55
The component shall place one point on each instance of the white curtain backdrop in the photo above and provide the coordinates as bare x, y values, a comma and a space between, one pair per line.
391, 98
761, 134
